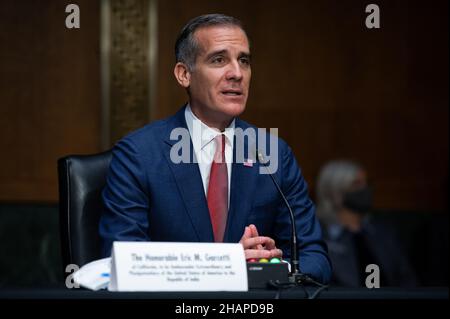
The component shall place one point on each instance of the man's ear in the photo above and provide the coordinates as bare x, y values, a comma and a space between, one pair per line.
182, 74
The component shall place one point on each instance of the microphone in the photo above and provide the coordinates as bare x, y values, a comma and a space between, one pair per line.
295, 275
296, 278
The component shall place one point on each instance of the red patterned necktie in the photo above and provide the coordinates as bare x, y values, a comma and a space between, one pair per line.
218, 190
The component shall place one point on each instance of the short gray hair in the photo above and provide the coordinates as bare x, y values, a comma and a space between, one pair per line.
334, 180
186, 46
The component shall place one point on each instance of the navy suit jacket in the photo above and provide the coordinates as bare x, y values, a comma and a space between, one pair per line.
147, 197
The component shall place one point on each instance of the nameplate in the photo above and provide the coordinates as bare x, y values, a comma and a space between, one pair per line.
164, 266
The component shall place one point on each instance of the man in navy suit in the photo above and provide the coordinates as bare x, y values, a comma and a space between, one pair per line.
193, 178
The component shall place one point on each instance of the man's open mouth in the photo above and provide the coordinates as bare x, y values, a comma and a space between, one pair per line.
232, 92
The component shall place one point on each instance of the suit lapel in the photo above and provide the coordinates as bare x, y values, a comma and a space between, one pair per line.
190, 186
243, 182
189, 182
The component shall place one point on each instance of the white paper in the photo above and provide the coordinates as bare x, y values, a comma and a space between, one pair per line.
94, 275
164, 266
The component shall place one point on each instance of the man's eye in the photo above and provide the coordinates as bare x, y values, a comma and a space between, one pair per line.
218, 59
245, 61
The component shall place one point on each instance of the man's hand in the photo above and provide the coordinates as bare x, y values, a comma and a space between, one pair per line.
256, 246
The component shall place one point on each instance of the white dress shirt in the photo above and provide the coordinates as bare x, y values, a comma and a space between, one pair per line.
204, 146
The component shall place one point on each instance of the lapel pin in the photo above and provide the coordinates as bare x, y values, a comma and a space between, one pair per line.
248, 163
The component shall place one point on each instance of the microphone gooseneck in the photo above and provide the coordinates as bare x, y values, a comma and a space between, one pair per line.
295, 263
296, 277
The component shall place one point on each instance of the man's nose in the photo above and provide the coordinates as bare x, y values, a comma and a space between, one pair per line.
234, 71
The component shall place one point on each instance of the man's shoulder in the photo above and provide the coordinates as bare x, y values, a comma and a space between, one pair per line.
151, 129
152, 132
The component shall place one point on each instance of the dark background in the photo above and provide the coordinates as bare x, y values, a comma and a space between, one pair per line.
334, 88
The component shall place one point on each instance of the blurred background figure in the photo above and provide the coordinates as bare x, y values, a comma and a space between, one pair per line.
354, 238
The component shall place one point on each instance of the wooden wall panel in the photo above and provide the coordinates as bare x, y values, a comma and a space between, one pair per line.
49, 94
338, 90
333, 88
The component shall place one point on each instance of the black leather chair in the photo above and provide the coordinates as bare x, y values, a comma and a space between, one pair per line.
81, 180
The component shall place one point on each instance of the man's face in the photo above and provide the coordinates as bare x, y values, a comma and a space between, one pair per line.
219, 82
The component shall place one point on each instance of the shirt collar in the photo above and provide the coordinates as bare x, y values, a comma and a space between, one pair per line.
202, 134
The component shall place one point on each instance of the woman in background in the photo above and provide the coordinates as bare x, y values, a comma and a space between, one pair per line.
355, 240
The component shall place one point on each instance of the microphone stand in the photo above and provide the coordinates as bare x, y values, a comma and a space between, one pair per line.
296, 277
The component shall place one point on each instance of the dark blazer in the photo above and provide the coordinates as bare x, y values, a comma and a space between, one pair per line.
148, 197
381, 242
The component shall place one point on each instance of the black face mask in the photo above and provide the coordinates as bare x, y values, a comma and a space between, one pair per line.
359, 201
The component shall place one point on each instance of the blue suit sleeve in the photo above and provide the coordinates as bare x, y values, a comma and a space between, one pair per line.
313, 255
125, 199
